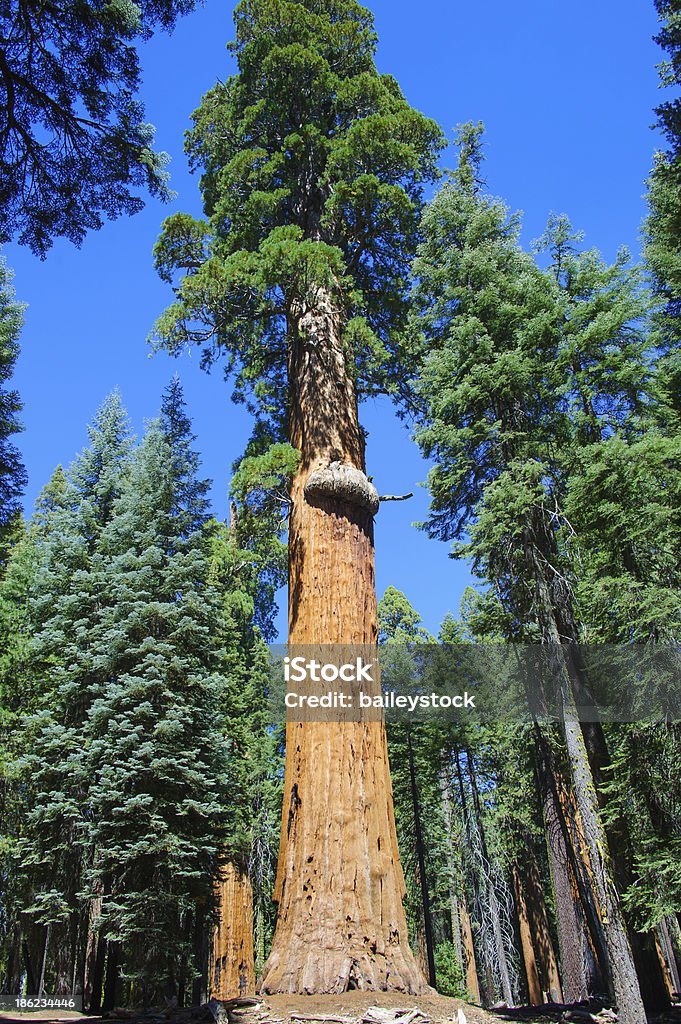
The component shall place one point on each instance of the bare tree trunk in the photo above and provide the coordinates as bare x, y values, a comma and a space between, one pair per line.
674, 934
621, 964
341, 922
472, 978
233, 972
529, 959
620, 961
43, 961
666, 961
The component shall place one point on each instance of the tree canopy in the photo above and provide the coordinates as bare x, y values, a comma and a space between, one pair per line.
313, 165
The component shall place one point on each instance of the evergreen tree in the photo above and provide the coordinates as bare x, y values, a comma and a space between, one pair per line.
663, 224
12, 473
20, 696
65, 618
498, 341
155, 756
313, 165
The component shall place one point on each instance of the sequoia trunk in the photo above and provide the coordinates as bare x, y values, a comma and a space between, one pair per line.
341, 923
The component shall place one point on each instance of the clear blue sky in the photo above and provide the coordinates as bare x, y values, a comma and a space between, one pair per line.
566, 91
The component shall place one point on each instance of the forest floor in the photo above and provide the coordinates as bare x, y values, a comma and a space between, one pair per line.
349, 1008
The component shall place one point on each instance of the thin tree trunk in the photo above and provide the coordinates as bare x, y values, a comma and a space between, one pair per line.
620, 965
341, 922
233, 971
674, 932
472, 979
529, 960
668, 953
664, 967
43, 961
554, 603
455, 914
421, 857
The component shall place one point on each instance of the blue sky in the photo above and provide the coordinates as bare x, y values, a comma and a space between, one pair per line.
566, 91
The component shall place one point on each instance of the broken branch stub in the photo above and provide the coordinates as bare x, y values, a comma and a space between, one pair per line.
342, 482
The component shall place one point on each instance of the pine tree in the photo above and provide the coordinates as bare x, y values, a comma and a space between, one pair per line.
313, 166
20, 696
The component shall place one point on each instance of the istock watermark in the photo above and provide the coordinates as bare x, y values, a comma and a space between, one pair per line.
478, 682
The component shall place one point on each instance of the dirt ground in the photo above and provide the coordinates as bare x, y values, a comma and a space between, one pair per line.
354, 1004
348, 1008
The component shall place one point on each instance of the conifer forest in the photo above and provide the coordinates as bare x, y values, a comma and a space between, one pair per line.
173, 836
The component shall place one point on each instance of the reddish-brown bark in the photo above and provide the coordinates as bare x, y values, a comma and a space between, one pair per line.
341, 923
232, 970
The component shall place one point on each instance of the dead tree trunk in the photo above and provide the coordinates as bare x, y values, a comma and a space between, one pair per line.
570, 920
553, 605
673, 933
233, 972
341, 922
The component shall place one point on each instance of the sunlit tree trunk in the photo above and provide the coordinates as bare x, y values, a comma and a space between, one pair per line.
341, 922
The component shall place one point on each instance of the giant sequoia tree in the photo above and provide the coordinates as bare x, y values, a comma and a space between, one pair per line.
312, 170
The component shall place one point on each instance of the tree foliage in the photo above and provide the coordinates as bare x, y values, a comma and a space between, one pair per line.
313, 165
74, 147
